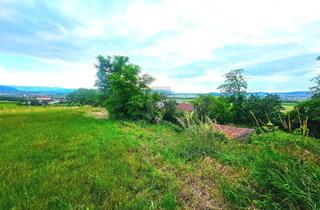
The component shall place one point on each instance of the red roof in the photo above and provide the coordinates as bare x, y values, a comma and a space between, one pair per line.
185, 107
234, 132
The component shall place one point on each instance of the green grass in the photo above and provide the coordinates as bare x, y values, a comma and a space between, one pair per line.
289, 106
7, 105
59, 158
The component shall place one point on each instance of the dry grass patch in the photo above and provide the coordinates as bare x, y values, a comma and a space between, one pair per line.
97, 113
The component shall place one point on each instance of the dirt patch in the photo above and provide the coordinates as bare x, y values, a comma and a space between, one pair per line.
97, 113
199, 192
201, 188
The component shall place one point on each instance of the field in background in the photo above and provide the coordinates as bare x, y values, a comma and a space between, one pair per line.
7, 105
289, 106
62, 158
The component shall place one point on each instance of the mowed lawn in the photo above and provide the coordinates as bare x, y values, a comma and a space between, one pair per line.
59, 158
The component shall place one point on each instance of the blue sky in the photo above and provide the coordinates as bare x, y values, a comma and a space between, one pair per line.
186, 45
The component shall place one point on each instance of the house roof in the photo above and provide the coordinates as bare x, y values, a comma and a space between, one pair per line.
234, 132
185, 107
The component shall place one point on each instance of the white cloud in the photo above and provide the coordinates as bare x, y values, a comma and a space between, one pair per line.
68, 75
179, 32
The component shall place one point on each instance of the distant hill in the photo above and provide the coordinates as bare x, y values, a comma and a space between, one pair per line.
18, 90
8, 89
285, 96
288, 96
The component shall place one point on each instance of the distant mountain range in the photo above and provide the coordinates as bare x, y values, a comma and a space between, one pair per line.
25, 90
285, 96
28, 90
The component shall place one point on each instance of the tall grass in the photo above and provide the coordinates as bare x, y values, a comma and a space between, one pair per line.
59, 158
200, 136
280, 177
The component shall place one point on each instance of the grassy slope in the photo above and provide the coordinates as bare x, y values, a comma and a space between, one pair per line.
57, 158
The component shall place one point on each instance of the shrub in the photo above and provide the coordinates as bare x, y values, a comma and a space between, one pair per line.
170, 112
265, 109
310, 111
200, 136
216, 108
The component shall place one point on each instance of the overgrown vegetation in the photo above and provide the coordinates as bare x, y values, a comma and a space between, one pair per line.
58, 158
308, 113
83, 96
124, 91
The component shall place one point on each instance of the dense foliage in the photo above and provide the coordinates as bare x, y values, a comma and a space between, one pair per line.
12, 98
254, 108
309, 111
170, 112
316, 88
266, 108
216, 108
83, 96
124, 91
234, 89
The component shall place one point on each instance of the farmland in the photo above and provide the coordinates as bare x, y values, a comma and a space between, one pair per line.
63, 158
288, 106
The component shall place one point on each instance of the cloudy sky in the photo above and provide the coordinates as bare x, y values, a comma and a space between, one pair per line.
186, 45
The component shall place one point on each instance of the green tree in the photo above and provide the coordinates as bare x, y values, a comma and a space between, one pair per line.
170, 110
83, 96
316, 88
234, 85
309, 110
216, 108
264, 108
105, 67
234, 89
127, 93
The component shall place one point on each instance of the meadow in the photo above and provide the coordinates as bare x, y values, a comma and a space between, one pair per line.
289, 106
65, 158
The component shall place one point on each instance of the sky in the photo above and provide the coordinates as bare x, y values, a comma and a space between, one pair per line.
186, 45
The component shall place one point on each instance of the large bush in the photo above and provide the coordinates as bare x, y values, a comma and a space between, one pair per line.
216, 108
201, 136
170, 112
309, 110
266, 108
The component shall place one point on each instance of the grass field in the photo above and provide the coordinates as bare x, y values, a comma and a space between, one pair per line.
288, 106
61, 158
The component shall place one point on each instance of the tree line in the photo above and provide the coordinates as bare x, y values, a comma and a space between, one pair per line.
126, 93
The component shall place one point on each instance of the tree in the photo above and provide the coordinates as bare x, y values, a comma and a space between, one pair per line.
216, 108
83, 96
235, 84
264, 108
126, 93
234, 89
316, 88
170, 110
105, 67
